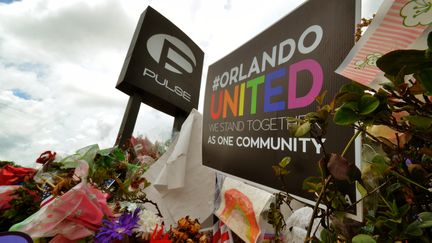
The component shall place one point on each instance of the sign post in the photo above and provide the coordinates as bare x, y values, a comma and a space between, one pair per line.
162, 69
129, 119
251, 92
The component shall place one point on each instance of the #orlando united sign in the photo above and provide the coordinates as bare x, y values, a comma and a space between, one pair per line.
251, 92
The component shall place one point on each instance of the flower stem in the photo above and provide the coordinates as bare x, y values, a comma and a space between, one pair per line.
326, 182
408, 180
350, 142
315, 210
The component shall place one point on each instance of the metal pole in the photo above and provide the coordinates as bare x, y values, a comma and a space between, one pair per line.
129, 119
179, 119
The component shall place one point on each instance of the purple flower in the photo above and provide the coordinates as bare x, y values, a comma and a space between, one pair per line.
117, 228
408, 162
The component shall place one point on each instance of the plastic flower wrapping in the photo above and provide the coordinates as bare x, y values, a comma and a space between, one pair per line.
94, 195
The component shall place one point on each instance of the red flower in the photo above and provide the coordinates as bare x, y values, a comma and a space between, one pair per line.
46, 157
11, 175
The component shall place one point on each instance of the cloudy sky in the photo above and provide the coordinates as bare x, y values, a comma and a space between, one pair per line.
60, 60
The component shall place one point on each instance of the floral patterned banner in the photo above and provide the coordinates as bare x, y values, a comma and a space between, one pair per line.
397, 25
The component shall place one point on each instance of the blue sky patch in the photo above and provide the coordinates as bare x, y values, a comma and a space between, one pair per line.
8, 1
21, 94
38, 69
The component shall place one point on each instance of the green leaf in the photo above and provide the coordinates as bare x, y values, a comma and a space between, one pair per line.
362, 238
312, 115
327, 237
425, 216
368, 104
352, 105
119, 154
393, 188
387, 145
293, 119
88, 153
388, 86
414, 229
327, 108
105, 152
279, 171
353, 87
426, 224
344, 116
426, 219
404, 210
412, 61
132, 167
293, 128
347, 97
361, 189
323, 114
320, 98
395, 209
398, 79
319, 115
70, 161
312, 184
284, 162
425, 78
303, 129
429, 41
420, 122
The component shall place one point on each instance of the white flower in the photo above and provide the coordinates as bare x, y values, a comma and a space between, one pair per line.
130, 206
147, 222
417, 12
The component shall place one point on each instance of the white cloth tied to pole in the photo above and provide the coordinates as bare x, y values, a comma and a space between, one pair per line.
181, 185
173, 172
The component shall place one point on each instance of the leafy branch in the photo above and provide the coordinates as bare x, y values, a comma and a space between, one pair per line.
396, 182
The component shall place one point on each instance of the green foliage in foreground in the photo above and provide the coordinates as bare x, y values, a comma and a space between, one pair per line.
395, 181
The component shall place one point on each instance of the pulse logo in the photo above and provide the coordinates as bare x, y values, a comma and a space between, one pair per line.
163, 64
172, 53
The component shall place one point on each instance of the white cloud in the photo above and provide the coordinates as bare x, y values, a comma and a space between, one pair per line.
51, 31
370, 7
67, 55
